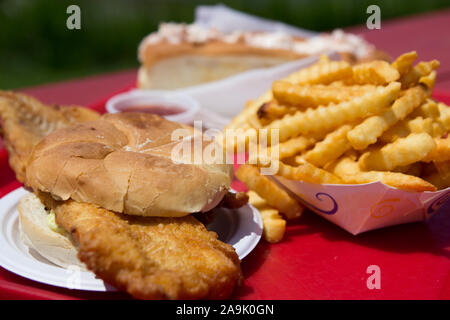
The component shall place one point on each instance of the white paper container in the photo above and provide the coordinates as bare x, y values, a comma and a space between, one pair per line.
364, 207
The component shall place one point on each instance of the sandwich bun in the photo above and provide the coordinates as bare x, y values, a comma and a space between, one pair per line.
36, 233
181, 55
186, 65
178, 56
123, 162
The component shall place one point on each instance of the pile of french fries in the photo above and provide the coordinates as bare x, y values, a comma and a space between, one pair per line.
343, 124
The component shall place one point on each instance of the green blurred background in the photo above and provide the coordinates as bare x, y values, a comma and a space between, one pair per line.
36, 47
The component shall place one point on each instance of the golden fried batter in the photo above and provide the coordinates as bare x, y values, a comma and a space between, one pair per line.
151, 258
25, 121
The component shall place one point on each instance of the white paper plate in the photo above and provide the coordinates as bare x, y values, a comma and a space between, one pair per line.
241, 228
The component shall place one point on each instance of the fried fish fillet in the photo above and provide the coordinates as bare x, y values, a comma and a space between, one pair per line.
25, 121
151, 258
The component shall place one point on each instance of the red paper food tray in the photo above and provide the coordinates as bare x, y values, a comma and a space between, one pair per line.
315, 260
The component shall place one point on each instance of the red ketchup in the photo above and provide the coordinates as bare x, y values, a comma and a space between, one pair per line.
155, 109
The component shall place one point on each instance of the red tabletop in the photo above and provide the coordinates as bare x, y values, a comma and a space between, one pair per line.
316, 259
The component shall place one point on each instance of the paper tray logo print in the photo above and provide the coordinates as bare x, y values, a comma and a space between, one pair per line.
437, 203
321, 196
383, 208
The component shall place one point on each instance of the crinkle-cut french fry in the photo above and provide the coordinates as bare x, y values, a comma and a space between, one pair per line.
403, 63
306, 172
325, 119
348, 170
269, 190
444, 115
244, 121
441, 152
292, 147
332, 147
254, 122
241, 120
438, 181
237, 140
393, 179
439, 113
338, 84
373, 127
317, 136
429, 109
401, 152
312, 96
399, 130
274, 226
434, 128
375, 72
272, 110
438, 129
350, 91
344, 166
285, 150
418, 71
404, 128
255, 200
419, 125
321, 73
429, 80
411, 99
441, 123
324, 59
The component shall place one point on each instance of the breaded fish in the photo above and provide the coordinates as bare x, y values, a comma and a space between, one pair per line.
151, 258
25, 121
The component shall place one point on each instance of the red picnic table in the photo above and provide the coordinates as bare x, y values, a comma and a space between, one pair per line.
316, 259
